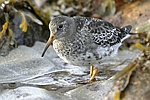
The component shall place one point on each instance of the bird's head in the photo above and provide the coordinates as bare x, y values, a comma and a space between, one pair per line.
60, 27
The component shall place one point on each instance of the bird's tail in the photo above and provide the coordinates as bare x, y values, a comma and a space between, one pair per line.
127, 29
125, 32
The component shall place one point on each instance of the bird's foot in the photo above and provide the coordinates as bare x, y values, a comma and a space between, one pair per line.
93, 73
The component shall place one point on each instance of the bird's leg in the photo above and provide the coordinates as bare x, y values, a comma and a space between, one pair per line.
91, 70
93, 73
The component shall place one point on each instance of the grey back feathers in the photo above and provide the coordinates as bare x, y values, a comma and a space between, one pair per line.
102, 32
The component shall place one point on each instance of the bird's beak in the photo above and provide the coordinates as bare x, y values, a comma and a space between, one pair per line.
49, 42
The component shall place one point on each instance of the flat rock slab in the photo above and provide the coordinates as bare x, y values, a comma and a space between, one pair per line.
93, 91
22, 64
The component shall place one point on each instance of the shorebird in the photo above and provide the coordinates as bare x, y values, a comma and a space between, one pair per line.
85, 41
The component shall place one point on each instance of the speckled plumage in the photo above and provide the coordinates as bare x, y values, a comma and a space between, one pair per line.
86, 41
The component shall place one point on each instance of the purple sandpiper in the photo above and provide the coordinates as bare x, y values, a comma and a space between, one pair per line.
85, 41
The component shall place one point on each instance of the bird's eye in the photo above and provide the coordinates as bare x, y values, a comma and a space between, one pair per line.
60, 26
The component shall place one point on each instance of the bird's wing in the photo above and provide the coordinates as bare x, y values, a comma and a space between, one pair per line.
102, 32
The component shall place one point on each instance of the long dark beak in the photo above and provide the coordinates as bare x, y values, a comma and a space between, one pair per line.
49, 42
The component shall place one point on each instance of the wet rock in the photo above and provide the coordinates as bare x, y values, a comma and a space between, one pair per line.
22, 64
93, 91
31, 93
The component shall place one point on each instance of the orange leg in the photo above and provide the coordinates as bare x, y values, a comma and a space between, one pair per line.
93, 73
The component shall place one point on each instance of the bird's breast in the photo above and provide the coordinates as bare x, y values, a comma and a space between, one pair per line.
83, 54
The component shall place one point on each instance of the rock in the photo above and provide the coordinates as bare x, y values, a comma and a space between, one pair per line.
22, 64
93, 91
30, 93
